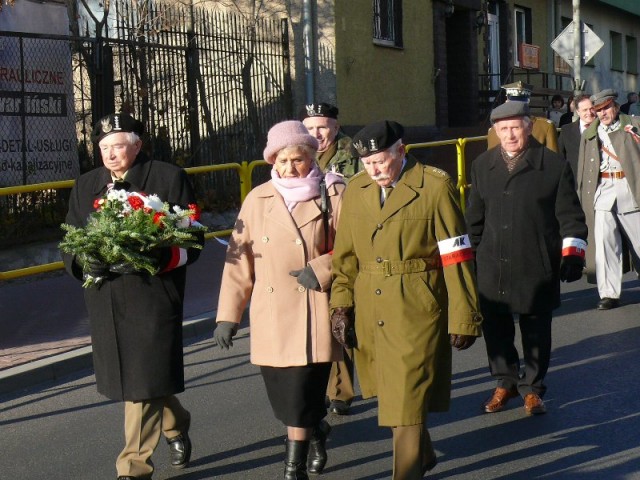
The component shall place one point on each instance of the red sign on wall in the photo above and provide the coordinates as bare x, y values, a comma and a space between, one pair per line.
529, 56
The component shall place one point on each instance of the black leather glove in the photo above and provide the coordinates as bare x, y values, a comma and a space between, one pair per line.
223, 334
122, 268
307, 278
342, 327
93, 269
461, 342
571, 268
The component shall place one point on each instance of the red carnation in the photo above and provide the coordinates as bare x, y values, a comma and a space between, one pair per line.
196, 212
97, 203
135, 202
157, 217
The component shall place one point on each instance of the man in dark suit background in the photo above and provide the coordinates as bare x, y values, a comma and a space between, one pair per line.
569, 140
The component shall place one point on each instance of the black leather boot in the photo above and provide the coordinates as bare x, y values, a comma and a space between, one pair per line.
317, 450
295, 462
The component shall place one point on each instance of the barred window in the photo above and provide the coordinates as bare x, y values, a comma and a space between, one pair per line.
387, 23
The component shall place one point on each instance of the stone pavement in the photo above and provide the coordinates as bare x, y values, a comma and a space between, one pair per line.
44, 329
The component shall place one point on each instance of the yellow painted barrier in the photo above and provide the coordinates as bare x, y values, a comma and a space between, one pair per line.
245, 170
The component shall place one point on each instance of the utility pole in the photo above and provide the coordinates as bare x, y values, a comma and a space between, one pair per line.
578, 83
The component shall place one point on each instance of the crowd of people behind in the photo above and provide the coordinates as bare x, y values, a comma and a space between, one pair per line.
354, 254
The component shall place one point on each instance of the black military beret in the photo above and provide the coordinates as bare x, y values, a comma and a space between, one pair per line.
116, 123
603, 98
318, 110
508, 110
376, 137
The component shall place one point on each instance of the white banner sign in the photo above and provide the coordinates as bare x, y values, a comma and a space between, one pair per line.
38, 141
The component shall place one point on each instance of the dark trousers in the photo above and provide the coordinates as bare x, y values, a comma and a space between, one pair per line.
504, 363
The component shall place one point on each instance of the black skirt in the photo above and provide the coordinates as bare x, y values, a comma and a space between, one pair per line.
297, 394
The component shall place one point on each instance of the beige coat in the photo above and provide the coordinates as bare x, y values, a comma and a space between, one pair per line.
290, 326
403, 318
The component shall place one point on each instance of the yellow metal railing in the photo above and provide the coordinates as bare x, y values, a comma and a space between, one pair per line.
245, 169
462, 185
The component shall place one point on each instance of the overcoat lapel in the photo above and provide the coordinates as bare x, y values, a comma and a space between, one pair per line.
276, 212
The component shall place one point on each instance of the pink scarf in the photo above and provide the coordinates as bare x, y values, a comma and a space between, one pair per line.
295, 190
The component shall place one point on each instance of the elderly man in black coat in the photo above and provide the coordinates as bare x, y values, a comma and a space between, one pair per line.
136, 318
527, 227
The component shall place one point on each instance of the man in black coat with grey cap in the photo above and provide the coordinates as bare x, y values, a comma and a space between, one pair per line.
528, 231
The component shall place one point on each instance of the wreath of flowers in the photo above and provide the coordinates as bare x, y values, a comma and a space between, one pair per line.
127, 228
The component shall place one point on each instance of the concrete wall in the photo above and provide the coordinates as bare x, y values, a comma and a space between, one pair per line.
377, 82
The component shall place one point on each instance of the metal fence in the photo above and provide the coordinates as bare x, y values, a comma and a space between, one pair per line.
207, 85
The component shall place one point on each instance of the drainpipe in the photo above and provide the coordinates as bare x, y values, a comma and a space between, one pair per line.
309, 58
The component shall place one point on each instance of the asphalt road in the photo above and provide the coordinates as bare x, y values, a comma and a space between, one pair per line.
65, 430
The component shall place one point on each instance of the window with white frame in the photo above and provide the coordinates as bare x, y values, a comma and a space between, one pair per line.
387, 23
521, 30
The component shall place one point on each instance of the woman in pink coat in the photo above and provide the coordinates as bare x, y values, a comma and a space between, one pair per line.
279, 257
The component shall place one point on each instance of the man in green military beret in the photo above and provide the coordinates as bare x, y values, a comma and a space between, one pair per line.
404, 289
334, 150
334, 155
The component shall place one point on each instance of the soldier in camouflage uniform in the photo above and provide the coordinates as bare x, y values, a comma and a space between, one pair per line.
334, 155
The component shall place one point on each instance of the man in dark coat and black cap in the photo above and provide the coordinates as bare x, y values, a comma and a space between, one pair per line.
135, 317
528, 231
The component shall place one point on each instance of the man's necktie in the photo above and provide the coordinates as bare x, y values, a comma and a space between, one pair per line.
386, 191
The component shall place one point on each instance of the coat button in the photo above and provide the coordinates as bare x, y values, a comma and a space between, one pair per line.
379, 226
301, 288
501, 292
379, 259
270, 289
380, 323
265, 239
298, 241
378, 291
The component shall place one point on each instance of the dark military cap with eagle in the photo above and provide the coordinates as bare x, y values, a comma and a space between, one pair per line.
376, 137
116, 123
318, 110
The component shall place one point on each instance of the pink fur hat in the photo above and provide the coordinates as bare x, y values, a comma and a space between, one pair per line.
287, 134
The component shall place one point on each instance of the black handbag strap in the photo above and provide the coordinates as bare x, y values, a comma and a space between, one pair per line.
324, 207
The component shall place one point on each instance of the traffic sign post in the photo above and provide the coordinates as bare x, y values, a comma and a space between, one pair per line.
563, 44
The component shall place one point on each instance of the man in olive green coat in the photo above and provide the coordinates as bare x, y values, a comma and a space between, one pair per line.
334, 155
402, 263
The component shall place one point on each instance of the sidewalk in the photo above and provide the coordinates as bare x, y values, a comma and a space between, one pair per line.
44, 329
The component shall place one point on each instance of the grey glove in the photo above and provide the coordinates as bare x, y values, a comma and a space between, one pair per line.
342, 327
224, 333
307, 278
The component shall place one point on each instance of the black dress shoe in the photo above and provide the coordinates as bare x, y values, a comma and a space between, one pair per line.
608, 303
180, 450
339, 407
129, 477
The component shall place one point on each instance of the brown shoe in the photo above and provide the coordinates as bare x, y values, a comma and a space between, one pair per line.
499, 400
534, 405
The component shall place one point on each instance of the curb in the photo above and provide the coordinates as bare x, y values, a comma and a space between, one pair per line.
55, 367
